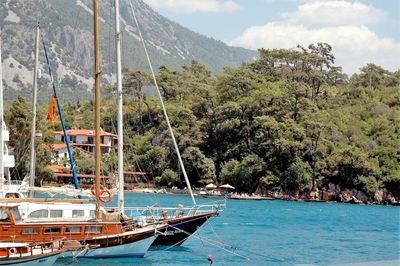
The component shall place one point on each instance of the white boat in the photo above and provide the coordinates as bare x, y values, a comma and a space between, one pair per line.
136, 249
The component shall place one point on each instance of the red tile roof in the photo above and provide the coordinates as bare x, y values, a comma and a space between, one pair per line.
58, 146
79, 175
56, 168
134, 173
84, 132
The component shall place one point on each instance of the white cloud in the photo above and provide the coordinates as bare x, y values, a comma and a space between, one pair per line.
192, 6
354, 44
334, 13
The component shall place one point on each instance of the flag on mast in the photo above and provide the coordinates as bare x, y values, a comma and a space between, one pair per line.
50, 110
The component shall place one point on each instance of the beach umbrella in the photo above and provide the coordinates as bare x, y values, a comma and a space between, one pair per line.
211, 186
227, 186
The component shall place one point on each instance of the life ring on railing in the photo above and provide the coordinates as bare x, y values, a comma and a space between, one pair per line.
93, 189
105, 200
12, 251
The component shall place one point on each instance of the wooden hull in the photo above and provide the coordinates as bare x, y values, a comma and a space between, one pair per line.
130, 244
42, 260
50, 231
181, 228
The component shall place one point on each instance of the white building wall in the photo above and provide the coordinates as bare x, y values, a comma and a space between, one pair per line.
59, 155
107, 141
81, 139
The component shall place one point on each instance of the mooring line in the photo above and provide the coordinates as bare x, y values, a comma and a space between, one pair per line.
232, 247
211, 243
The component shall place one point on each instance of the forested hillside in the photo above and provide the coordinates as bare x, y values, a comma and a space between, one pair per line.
290, 121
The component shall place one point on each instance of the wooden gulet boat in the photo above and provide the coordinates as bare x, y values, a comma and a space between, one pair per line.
110, 236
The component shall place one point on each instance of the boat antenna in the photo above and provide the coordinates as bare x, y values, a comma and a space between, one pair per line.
97, 106
120, 117
163, 106
1, 126
34, 100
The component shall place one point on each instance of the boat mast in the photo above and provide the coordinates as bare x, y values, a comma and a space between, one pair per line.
33, 133
120, 118
1, 126
97, 106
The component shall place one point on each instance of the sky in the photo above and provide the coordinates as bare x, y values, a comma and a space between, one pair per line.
360, 32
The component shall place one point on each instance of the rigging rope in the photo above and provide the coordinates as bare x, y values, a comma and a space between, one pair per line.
162, 104
211, 242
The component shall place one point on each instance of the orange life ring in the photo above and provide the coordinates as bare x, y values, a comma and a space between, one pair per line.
105, 200
93, 189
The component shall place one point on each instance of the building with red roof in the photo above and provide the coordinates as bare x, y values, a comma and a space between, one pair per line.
84, 139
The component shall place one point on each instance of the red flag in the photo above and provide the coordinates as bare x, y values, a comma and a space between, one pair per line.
50, 111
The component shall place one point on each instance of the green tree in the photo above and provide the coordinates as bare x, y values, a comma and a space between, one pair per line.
244, 175
297, 177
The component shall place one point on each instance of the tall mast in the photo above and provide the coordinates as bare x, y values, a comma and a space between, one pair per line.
33, 135
1, 126
97, 106
120, 118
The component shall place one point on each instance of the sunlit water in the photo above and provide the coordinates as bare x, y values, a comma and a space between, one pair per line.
278, 233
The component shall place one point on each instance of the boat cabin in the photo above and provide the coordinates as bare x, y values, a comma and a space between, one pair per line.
9, 214
57, 211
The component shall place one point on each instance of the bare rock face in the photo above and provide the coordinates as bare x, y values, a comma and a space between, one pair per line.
361, 196
66, 28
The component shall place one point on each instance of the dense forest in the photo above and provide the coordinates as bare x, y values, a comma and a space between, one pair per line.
289, 121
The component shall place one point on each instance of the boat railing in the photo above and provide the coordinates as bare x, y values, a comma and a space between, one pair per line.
157, 213
36, 247
14, 182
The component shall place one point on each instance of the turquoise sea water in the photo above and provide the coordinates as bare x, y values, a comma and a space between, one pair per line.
279, 233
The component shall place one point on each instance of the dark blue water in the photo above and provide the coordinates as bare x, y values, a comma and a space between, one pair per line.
279, 233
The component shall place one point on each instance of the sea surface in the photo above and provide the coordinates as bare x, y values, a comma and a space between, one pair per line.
277, 233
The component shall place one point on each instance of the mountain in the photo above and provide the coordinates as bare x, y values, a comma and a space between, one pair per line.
66, 27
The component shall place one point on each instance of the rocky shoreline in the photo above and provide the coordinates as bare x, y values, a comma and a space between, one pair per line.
332, 194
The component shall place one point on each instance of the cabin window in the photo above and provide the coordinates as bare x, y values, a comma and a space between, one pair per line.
56, 213
91, 214
78, 213
93, 229
12, 195
16, 214
73, 229
30, 231
39, 214
52, 230
4, 216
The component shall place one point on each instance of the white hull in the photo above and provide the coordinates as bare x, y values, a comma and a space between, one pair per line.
136, 249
